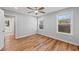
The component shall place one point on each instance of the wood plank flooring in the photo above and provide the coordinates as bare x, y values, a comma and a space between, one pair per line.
37, 43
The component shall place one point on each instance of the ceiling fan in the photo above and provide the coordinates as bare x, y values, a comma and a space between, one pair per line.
36, 10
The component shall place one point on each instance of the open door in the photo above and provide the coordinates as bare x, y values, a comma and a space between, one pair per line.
1, 29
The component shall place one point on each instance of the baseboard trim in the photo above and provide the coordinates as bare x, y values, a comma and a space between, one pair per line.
50, 37
60, 39
25, 35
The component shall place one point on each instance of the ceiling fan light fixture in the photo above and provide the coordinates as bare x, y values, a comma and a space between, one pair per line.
36, 11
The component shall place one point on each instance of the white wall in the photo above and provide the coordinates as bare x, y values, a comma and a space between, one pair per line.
50, 26
24, 25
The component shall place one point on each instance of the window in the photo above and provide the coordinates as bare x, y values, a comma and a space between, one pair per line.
64, 23
41, 24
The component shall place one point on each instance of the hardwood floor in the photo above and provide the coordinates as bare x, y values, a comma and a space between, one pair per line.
37, 43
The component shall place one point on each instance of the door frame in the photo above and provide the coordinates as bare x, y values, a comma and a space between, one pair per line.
14, 26
14, 22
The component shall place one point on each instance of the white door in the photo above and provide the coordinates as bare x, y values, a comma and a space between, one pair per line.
1, 29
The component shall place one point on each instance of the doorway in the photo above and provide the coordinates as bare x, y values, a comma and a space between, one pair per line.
9, 27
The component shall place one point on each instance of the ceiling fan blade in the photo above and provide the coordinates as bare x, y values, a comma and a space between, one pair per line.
41, 8
41, 11
30, 12
30, 8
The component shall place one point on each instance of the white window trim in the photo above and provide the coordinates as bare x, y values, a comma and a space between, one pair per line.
71, 25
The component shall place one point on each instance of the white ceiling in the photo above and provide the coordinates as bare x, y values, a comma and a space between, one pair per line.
24, 10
